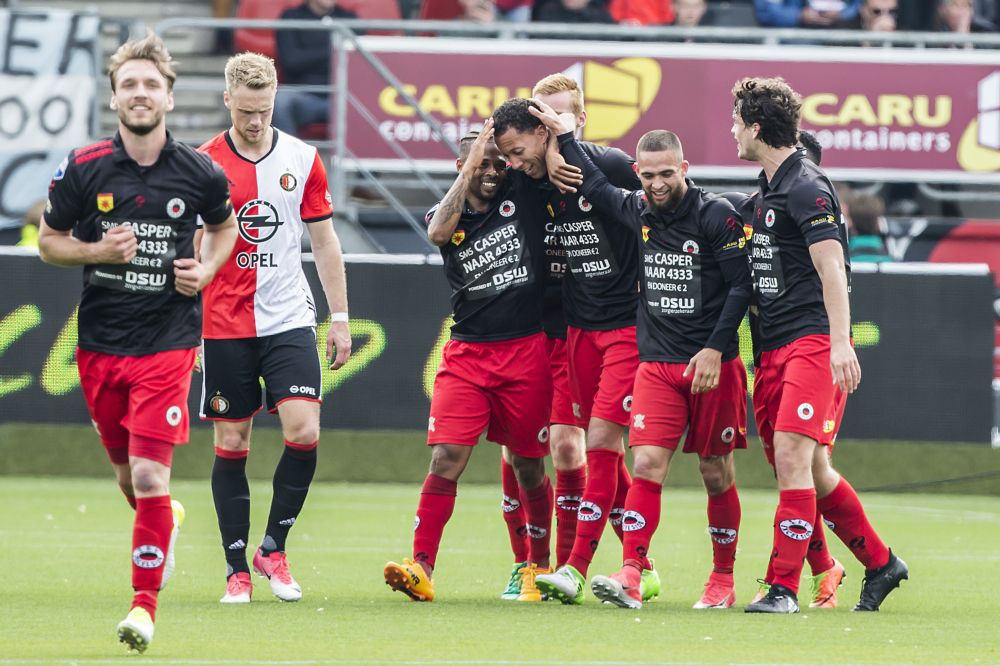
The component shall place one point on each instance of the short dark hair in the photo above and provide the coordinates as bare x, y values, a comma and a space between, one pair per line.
772, 104
656, 141
514, 114
465, 143
814, 151
865, 210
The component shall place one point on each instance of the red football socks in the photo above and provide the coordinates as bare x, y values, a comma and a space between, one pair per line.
724, 527
818, 555
618, 504
848, 521
602, 480
513, 512
537, 504
150, 538
570, 485
437, 501
642, 516
792, 531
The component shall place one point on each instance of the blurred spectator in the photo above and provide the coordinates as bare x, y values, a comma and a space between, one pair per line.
959, 16
642, 12
574, 11
304, 59
515, 11
29, 224
480, 11
864, 220
878, 15
805, 13
223, 9
689, 13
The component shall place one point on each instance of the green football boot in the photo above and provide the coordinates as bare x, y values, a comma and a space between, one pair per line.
565, 584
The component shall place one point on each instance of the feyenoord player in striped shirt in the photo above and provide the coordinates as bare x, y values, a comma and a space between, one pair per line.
260, 322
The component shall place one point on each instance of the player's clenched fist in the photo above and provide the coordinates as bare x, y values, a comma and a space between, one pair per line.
118, 246
189, 276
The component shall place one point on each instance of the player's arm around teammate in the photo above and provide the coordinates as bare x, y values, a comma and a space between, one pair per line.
682, 383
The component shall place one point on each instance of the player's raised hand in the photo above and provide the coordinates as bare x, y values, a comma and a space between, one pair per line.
477, 151
119, 245
190, 276
845, 367
338, 344
555, 122
706, 366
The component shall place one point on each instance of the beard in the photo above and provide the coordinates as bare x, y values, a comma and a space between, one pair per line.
140, 129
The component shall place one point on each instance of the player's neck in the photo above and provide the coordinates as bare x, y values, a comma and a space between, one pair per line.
772, 158
477, 204
253, 151
144, 148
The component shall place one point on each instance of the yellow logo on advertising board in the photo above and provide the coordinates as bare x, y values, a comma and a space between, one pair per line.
979, 147
105, 202
616, 96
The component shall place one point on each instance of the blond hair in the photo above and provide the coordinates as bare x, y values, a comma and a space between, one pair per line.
150, 48
251, 70
557, 83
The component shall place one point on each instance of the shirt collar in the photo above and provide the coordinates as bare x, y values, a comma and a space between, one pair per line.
118, 153
786, 166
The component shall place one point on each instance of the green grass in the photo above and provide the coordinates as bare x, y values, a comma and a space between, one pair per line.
64, 545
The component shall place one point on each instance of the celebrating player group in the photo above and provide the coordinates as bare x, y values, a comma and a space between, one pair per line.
591, 294
652, 276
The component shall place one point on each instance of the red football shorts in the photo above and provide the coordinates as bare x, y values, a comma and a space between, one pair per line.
794, 392
664, 407
562, 400
504, 388
602, 366
143, 395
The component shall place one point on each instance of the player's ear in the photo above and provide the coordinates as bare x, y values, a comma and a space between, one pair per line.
113, 104
225, 99
685, 165
581, 120
458, 164
170, 100
635, 168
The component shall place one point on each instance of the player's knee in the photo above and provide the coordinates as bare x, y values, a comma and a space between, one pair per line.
568, 451
529, 471
715, 478
147, 481
302, 434
233, 441
448, 460
647, 466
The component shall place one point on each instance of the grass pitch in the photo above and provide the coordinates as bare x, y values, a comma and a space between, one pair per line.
64, 546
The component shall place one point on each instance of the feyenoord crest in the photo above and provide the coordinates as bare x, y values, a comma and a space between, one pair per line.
258, 221
585, 205
219, 404
769, 217
175, 208
457, 237
507, 208
105, 202
690, 247
287, 182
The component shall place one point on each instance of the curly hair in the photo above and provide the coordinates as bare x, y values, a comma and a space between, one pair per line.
251, 70
772, 104
814, 151
514, 114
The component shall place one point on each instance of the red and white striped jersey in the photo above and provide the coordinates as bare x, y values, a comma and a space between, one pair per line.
261, 289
